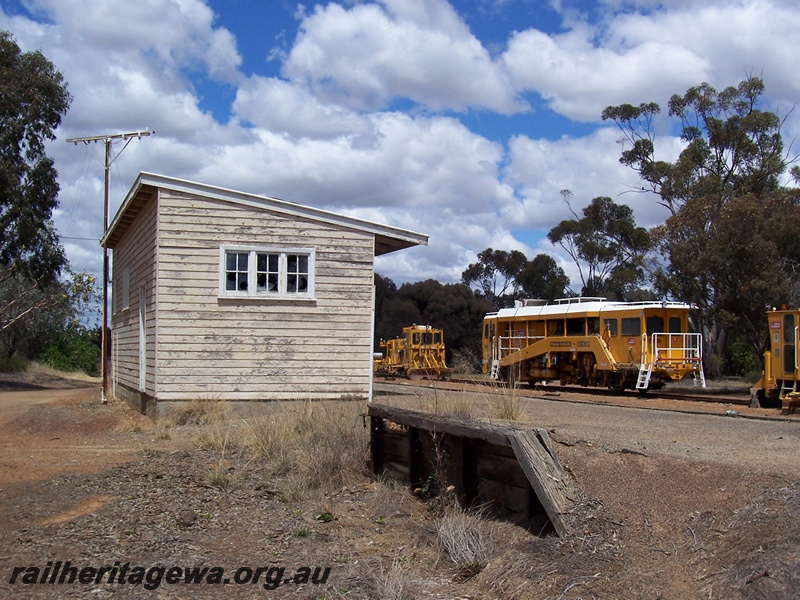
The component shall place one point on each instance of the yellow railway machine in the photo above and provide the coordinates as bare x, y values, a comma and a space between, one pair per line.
593, 342
780, 383
418, 353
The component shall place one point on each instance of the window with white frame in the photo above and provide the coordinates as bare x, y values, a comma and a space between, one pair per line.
267, 272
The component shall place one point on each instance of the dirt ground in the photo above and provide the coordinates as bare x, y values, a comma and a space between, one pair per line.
673, 504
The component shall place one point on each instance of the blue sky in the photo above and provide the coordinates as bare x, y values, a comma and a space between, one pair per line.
461, 119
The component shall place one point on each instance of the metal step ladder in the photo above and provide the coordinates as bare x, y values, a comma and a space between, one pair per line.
645, 371
788, 386
495, 372
699, 377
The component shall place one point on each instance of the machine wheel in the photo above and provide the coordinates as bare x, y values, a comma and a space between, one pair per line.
758, 399
587, 364
762, 399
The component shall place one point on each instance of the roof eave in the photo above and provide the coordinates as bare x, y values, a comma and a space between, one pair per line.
387, 239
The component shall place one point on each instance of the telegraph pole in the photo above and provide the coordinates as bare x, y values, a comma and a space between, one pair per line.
108, 140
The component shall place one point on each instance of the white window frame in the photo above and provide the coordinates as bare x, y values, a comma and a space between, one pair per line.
252, 289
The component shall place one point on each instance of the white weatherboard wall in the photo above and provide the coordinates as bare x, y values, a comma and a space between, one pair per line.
134, 266
258, 349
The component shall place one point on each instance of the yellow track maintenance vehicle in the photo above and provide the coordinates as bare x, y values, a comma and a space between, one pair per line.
418, 353
780, 383
593, 342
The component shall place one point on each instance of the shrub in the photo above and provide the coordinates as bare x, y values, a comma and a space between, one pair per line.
74, 349
12, 364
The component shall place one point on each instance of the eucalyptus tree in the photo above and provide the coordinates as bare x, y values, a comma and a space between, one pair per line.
607, 246
724, 246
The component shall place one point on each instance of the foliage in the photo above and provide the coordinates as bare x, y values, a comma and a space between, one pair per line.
40, 299
730, 243
452, 307
607, 247
464, 361
734, 265
502, 277
543, 278
495, 275
740, 360
74, 349
33, 99
732, 147
34, 315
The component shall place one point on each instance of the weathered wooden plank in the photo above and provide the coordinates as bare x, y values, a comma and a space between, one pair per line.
441, 424
395, 444
396, 470
502, 495
303, 393
495, 450
264, 353
376, 444
544, 439
542, 475
501, 468
135, 255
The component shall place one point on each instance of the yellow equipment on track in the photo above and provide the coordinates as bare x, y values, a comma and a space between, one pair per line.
418, 353
591, 341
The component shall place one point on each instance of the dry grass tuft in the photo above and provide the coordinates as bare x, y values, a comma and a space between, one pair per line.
466, 539
390, 500
315, 445
128, 424
35, 371
396, 582
447, 403
504, 403
199, 411
224, 441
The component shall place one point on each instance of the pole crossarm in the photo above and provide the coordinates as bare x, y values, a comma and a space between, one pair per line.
107, 140
112, 136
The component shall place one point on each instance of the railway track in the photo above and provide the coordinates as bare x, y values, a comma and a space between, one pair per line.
722, 396
739, 396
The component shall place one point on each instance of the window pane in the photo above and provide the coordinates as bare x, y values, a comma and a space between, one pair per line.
655, 325
631, 326
788, 329
236, 271
267, 272
296, 273
611, 326
675, 325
